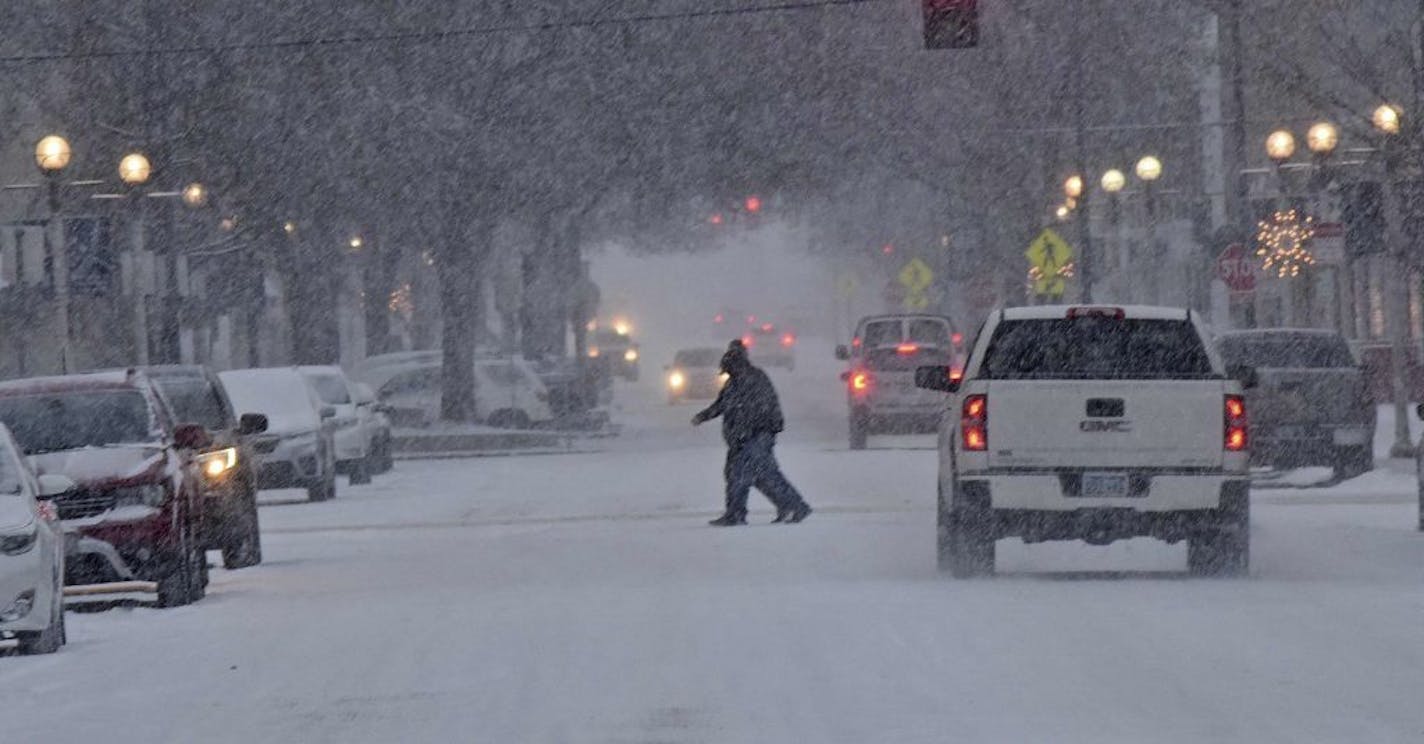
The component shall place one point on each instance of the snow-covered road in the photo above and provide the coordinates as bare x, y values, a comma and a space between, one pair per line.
580, 598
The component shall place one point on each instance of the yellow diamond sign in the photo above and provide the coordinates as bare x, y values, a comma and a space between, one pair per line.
1049, 252
916, 277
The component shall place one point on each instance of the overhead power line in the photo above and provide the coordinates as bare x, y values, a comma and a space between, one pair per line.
435, 36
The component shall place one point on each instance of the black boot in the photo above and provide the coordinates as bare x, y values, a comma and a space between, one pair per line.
729, 520
798, 514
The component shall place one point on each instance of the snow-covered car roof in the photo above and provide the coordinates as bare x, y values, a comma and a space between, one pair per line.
1052, 312
108, 380
280, 393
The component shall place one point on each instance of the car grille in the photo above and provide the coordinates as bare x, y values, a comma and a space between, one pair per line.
265, 446
83, 503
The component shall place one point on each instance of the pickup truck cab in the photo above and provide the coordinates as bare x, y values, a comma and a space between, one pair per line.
1094, 424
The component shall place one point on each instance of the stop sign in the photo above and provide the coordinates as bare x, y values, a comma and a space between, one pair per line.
1236, 268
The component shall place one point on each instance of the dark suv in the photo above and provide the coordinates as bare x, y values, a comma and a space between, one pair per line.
137, 507
196, 396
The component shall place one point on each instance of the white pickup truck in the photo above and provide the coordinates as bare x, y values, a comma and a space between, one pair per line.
1094, 424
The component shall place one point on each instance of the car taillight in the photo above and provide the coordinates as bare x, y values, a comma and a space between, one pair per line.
956, 338
956, 374
1236, 438
788, 340
974, 423
860, 382
748, 341
907, 348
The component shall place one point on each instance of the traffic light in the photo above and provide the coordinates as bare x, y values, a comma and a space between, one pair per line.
951, 24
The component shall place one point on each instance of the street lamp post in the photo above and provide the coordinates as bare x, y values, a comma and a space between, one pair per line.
1149, 171
134, 171
1113, 182
1077, 203
1322, 139
1280, 148
52, 155
1388, 122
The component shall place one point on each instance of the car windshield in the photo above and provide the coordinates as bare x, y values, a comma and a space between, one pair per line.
52, 422
195, 401
1299, 351
698, 358
331, 388
1095, 348
880, 334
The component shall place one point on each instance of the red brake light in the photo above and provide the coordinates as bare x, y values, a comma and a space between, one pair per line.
788, 340
956, 374
718, 318
767, 328
860, 382
855, 342
907, 348
974, 423
1236, 437
748, 341
956, 338
1115, 313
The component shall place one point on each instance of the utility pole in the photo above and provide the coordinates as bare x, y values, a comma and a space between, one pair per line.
1080, 135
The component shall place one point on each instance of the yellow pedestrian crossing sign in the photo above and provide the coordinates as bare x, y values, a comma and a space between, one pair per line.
917, 303
916, 277
1050, 259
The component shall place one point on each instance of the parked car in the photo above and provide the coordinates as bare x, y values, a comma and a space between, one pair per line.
376, 421
31, 553
196, 396
695, 374
508, 394
1094, 424
375, 370
138, 505
1311, 404
297, 450
355, 423
881, 396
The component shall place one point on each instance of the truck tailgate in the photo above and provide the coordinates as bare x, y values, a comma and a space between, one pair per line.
1105, 424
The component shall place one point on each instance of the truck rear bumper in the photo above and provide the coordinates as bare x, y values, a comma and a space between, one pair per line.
1151, 492
1101, 523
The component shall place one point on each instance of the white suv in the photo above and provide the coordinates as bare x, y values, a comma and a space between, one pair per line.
1095, 424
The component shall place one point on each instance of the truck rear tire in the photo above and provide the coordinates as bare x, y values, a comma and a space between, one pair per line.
859, 434
1221, 552
971, 548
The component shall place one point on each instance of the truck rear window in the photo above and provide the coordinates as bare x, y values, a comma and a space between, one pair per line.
1096, 348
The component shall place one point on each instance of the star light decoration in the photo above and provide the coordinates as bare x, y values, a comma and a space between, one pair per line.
1282, 243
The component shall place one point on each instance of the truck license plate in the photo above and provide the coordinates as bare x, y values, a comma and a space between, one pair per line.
1104, 486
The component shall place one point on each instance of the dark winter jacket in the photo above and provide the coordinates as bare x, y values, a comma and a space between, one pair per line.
747, 404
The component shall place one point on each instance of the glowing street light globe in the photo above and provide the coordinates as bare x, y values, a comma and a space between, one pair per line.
1114, 181
195, 195
1322, 138
1073, 187
52, 153
1149, 168
1387, 118
1280, 146
135, 169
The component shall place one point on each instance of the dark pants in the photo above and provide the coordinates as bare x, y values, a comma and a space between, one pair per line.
751, 463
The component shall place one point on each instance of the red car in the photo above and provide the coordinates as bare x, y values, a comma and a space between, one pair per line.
137, 509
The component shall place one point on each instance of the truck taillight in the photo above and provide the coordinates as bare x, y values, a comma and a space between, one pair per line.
974, 423
1236, 438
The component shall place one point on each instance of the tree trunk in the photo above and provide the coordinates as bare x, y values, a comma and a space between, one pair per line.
461, 310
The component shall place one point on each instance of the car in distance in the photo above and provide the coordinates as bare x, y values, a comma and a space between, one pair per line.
31, 553
196, 395
1094, 424
353, 436
695, 374
137, 508
770, 346
614, 352
297, 449
881, 395
1311, 404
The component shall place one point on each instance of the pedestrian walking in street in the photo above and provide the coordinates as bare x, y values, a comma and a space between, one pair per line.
751, 419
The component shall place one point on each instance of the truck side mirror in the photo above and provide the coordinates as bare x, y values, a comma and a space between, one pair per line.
939, 378
842, 353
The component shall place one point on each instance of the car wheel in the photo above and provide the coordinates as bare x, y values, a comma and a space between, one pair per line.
1351, 462
381, 457
324, 490
1223, 550
50, 639
971, 547
186, 578
859, 434
359, 473
244, 548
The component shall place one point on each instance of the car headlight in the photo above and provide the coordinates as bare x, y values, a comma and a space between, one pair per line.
676, 380
630, 355
19, 541
140, 496
215, 464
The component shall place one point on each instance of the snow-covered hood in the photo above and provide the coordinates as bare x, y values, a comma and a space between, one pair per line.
14, 512
104, 466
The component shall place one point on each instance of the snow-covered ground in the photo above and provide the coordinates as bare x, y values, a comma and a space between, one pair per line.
580, 598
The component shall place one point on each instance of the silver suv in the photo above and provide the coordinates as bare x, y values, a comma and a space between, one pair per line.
880, 382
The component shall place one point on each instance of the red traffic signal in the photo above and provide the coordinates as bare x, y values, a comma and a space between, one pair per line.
951, 24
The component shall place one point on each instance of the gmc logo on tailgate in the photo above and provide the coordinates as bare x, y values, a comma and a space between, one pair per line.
1105, 427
